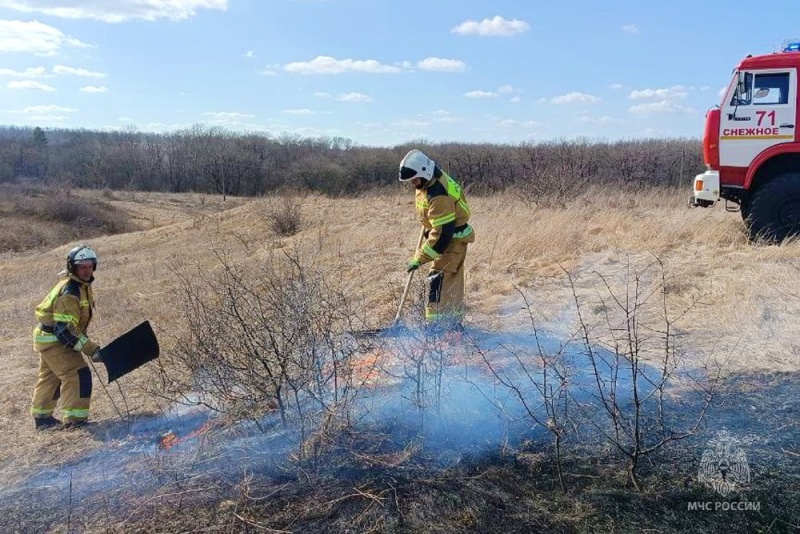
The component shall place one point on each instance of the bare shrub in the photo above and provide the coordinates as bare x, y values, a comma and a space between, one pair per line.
109, 194
540, 381
85, 216
641, 395
53, 216
265, 341
553, 185
283, 215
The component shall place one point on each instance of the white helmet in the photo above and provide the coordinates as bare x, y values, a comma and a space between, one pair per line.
81, 254
416, 165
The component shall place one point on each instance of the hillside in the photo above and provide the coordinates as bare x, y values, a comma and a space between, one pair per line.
731, 304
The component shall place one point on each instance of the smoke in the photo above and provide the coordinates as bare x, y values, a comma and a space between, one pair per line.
438, 394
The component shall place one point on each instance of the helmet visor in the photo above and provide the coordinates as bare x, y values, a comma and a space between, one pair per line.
407, 173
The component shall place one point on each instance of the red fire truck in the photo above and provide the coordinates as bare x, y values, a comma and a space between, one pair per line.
751, 146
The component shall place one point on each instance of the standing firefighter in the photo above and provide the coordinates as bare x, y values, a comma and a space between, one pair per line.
443, 211
60, 338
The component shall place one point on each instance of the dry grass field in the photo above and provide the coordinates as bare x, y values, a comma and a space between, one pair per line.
734, 304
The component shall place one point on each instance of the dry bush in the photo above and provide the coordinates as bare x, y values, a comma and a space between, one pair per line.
641, 394
282, 215
53, 216
540, 380
264, 341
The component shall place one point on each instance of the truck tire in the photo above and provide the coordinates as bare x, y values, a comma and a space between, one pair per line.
744, 208
774, 212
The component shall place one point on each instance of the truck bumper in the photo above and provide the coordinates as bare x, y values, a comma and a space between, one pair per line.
705, 192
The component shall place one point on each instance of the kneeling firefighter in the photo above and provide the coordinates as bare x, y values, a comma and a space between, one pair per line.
443, 211
60, 338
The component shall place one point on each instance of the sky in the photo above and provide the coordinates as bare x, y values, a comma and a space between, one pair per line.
380, 72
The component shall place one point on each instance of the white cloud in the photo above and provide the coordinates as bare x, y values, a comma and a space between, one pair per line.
34, 38
442, 65
663, 106
72, 71
232, 120
321, 94
617, 86
41, 120
299, 112
630, 28
444, 116
497, 26
227, 115
94, 89
514, 123
249, 53
515, 100
30, 84
330, 65
116, 10
31, 72
480, 94
502, 90
605, 119
267, 72
575, 97
676, 91
45, 110
410, 123
353, 97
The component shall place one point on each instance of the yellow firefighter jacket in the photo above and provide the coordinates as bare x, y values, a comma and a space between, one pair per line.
443, 210
64, 316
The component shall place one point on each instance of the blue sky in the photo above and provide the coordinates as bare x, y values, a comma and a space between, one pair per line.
379, 72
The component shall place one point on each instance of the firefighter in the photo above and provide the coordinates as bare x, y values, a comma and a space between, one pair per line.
60, 338
443, 211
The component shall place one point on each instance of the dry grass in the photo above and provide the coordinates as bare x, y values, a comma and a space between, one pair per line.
749, 296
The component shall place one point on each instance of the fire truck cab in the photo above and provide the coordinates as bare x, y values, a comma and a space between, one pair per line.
751, 146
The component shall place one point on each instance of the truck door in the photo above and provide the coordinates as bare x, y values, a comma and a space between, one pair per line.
757, 114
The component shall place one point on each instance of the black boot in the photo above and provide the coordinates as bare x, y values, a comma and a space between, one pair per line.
76, 423
45, 423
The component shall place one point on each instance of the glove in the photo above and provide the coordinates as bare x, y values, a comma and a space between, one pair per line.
412, 265
96, 356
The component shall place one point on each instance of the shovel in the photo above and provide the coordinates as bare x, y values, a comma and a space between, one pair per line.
396, 328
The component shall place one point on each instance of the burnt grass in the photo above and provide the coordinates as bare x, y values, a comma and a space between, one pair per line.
376, 482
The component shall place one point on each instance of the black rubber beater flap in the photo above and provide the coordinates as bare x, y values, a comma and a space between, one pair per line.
130, 351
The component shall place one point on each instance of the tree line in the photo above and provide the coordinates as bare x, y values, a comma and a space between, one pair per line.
217, 161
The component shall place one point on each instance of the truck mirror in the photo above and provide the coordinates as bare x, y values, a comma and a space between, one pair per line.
741, 87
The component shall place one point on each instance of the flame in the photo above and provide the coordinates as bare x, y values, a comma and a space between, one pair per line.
169, 439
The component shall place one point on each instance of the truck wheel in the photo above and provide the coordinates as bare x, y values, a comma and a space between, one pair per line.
774, 212
744, 208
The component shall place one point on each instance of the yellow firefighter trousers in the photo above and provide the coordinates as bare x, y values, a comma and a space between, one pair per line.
446, 285
62, 372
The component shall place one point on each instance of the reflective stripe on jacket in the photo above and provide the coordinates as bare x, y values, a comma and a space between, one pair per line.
64, 316
443, 210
